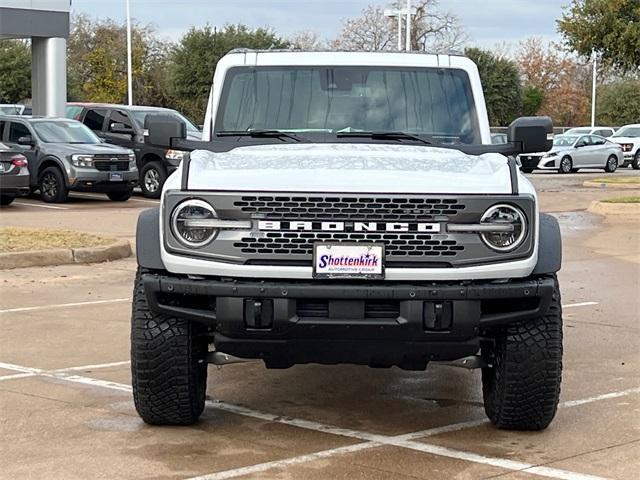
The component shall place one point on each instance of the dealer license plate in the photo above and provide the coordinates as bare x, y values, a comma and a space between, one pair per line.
115, 177
348, 260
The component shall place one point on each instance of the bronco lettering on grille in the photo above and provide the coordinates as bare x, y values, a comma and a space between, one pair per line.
271, 225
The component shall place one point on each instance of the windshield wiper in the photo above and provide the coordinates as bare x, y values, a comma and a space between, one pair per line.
264, 133
385, 135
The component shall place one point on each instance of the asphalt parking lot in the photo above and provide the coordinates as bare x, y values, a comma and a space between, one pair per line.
65, 395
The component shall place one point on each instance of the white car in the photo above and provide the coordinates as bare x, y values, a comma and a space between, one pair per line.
628, 137
14, 109
570, 153
348, 207
602, 131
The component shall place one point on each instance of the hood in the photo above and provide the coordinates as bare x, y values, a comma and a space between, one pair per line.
354, 167
88, 148
625, 139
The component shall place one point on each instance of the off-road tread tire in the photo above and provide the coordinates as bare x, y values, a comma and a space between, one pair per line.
168, 367
522, 389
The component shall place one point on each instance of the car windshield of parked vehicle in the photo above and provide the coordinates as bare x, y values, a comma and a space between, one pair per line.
578, 131
64, 132
140, 115
10, 109
419, 101
627, 132
564, 140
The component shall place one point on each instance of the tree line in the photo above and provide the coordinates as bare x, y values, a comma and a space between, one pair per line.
533, 79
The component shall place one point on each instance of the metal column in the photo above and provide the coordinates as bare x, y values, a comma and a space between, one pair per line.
49, 76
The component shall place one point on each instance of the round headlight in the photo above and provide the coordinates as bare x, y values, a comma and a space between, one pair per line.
504, 216
193, 236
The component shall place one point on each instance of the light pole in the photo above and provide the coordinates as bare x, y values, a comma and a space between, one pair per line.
129, 73
593, 91
396, 14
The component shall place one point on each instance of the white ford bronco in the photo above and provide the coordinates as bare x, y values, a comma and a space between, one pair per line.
348, 208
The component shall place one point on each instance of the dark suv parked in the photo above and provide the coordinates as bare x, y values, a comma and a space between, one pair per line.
124, 125
65, 155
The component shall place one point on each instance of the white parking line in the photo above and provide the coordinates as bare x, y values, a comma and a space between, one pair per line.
64, 305
29, 204
371, 440
94, 366
581, 304
263, 467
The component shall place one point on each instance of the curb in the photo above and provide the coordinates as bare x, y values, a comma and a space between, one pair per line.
46, 258
630, 186
602, 208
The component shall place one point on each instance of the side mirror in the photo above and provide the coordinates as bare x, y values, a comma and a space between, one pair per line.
162, 129
534, 134
26, 140
120, 128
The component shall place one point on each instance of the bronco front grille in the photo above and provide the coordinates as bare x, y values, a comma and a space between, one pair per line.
396, 244
348, 208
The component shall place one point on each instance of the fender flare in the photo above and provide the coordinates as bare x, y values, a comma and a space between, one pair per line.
148, 240
58, 162
549, 246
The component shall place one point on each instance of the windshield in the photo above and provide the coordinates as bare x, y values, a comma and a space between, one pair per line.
564, 140
431, 101
64, 132
10, 109
578, 131
627, 132
140, 115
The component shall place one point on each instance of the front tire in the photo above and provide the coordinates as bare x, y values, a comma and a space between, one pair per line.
168, 364
612, 164
521, 388
152, 178
6, 200
635, 164
53, 188
120, 196
566, 165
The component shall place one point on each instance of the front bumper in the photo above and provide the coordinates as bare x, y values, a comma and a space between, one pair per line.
392, 323
99, 181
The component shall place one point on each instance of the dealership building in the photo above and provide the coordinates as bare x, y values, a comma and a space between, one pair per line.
46, 24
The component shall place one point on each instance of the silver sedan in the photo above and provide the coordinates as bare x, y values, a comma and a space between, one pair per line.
573, 152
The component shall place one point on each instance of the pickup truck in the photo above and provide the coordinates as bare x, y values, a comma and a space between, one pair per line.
348, 207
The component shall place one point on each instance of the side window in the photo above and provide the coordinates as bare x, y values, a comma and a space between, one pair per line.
117, 116
584, 140
17, 130
95, 119
597, 140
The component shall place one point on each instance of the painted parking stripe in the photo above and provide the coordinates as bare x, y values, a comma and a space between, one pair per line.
94, 366
64, 305
29, 204
372, 440
581, 304
263, 467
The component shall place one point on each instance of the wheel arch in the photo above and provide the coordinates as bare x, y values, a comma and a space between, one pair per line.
148, 240
549, 246
51, 161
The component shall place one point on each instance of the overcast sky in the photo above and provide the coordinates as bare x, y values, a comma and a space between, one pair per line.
488, 22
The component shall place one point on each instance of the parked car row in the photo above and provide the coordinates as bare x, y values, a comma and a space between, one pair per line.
63, 155
124, 126
587, 147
